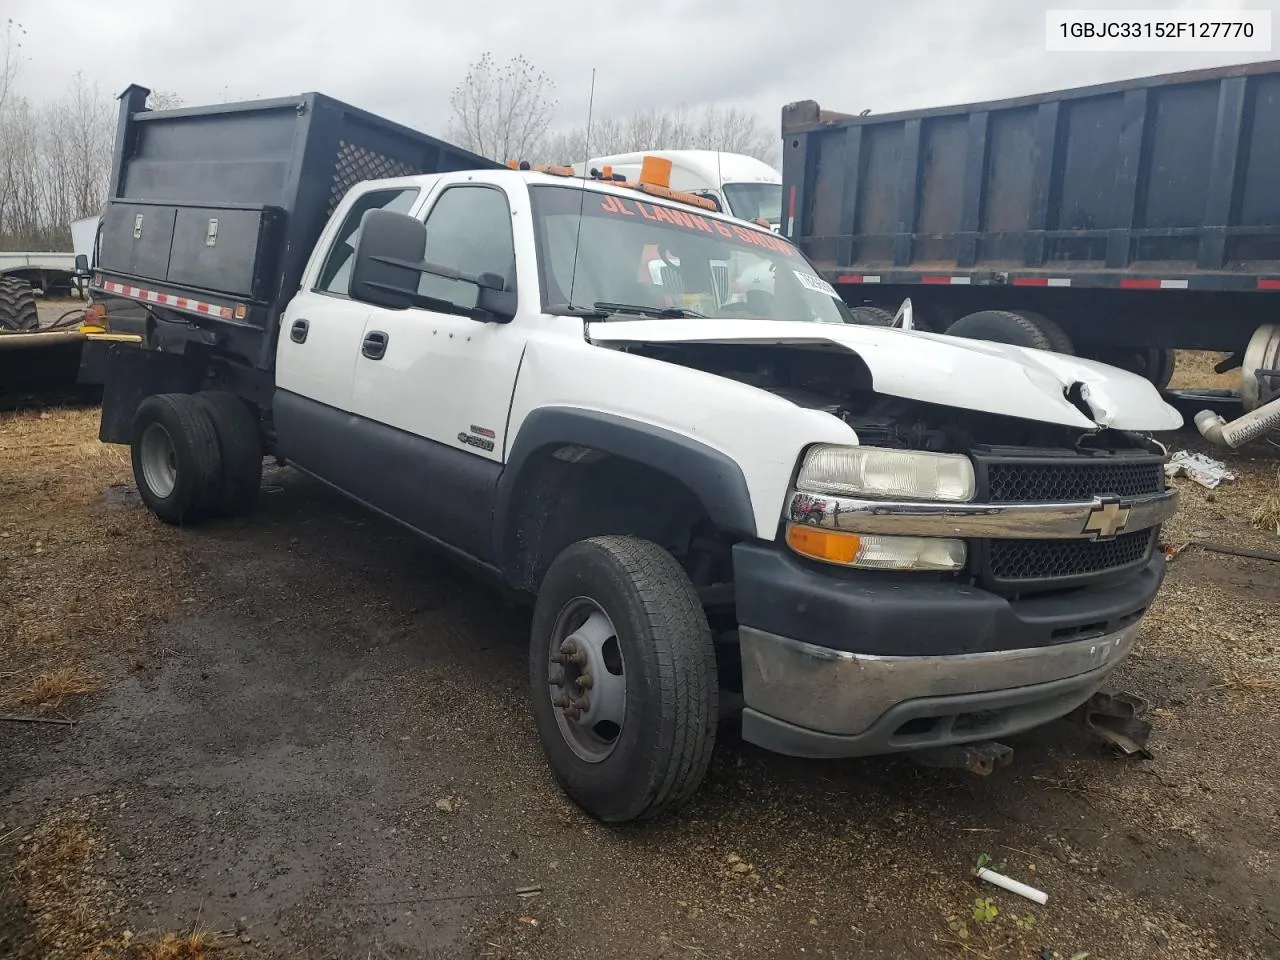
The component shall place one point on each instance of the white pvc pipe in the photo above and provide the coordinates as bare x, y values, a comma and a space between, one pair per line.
1013, 886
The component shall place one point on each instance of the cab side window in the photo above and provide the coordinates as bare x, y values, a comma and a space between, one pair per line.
469, 229
335, 275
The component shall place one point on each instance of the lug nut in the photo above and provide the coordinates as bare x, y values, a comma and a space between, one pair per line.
562, 702
572, 653
581, 703
556, 679
585, 681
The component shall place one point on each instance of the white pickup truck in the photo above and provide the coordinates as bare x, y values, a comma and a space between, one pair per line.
877, 540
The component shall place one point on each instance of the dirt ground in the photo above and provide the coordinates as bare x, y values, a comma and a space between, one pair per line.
303, 735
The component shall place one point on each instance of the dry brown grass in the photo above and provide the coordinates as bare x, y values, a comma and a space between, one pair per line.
71, 906
76, 575
1249, 682
46, 691
1267, 515
1194, 368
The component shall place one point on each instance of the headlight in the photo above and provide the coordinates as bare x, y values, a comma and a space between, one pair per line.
871, 552
879, 473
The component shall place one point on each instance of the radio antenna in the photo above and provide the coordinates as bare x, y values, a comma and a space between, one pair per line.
586, 172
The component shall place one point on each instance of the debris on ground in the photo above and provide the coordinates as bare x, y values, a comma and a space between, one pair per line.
1204, 470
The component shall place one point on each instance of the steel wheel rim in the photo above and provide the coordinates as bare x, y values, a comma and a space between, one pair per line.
159, 460
586, 680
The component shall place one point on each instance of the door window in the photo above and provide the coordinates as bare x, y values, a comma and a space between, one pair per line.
335, 275
469, 230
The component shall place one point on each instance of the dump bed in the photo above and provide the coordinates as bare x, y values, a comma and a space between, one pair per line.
213, 211
1171, 175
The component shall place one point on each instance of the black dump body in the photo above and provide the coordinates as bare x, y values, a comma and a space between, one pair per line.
1165, 183
215, 210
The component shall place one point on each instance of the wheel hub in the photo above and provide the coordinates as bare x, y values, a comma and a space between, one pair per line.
159, 461
586, 680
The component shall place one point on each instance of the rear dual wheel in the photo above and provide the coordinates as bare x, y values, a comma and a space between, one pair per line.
196, 456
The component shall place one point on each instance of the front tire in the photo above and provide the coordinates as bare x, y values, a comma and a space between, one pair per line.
177, 465
635, 740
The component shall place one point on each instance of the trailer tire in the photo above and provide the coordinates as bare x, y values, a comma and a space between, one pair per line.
177, 465
871, 316
1152, 363
240, 447
659, 680
1001, 326
18, 312
1059, 341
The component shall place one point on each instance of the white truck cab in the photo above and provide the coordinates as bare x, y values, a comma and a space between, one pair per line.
740, 186
880, 540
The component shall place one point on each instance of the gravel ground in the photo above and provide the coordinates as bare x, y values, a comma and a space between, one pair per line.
309, 737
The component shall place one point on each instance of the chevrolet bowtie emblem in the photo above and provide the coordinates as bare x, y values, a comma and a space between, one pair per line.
1106, 520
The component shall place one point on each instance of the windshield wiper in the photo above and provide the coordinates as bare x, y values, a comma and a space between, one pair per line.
604, 309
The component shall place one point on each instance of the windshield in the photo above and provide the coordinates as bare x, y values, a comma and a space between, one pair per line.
751, 201
655, 258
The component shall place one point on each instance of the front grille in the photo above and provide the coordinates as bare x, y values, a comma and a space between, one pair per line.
1012, 561
1038, 481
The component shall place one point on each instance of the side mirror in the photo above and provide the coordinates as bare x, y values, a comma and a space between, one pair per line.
390, 245
388, 266
82, 265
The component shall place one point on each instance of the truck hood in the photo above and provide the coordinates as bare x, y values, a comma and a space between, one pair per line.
934, 368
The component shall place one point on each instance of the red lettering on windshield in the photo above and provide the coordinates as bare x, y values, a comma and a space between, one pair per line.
614, 205
658, 213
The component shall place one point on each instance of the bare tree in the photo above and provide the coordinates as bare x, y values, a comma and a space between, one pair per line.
55, 165
732, 130
502, 112
164, 100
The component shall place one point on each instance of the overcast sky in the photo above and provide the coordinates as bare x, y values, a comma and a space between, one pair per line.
400, 58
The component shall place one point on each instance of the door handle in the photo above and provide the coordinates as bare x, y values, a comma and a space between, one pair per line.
375, 345
298, 332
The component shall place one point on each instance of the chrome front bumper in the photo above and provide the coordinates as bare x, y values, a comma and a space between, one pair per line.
807, 700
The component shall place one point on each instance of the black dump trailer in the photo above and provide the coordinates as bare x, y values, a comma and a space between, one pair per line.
1137, 217
214, 211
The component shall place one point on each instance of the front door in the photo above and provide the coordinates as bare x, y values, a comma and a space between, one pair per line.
439, 385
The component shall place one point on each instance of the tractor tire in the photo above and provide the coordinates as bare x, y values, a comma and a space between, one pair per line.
1001, 326
618, 628
240, 446
177, 465
17, 306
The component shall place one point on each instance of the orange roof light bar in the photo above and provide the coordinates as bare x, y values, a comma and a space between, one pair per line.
656, 171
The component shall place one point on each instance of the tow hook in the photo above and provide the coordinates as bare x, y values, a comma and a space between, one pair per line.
1117, 719
978, 758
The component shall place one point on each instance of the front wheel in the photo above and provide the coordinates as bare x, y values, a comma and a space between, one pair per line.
622, 671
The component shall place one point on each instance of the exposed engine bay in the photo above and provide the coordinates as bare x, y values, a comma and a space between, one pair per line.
839, 383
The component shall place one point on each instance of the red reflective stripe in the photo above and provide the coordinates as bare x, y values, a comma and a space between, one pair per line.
1269, 284
169, 300
849, 279
1030, 281
935, 279
791, 211
1140, 284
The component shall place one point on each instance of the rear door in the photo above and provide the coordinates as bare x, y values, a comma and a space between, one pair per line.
320, 335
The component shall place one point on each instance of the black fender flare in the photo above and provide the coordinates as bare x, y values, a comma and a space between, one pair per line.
714, 478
